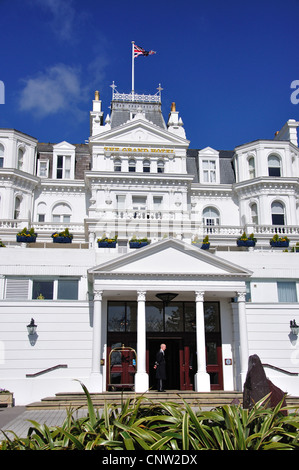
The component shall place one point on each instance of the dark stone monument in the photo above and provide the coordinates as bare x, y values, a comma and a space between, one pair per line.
257, 386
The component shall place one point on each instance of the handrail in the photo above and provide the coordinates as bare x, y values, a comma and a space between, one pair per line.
280, 370
45, 371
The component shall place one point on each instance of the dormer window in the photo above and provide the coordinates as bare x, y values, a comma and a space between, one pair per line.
64, 161
274, 165
209, 166
209, 171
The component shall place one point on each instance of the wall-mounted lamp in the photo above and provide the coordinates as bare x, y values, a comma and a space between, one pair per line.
31, 328
294, 327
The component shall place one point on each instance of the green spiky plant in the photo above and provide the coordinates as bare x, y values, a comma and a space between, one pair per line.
139, 424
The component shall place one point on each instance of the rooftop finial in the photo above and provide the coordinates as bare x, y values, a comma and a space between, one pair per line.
97, 96
173, 106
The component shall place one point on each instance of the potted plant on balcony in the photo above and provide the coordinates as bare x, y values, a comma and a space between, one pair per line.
2, 244
279, 241
62, 237
106, 242
138, 242
205, 243
295, 249
27, 236
243, 240
6, 397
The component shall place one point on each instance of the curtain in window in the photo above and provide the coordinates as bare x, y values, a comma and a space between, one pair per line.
287, 292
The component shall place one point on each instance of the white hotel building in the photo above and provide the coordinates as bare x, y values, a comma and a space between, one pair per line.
137, 178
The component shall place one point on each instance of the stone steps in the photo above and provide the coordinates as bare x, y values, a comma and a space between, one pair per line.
203, 400
71, 400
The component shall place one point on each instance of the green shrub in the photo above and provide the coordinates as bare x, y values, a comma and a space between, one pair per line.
142, 425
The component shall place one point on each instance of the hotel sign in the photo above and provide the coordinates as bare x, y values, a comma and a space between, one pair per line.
138, 150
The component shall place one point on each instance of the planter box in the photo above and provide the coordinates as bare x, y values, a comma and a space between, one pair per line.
107, 244
205, 246
245, 242
62, 240
280, 244
6, 399
22, 239
138, 244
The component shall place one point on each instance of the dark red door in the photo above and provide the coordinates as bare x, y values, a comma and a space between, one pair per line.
214, 361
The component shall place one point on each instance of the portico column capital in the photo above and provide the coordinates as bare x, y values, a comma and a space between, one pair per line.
241, 296
199, 296
98, 295
141, 295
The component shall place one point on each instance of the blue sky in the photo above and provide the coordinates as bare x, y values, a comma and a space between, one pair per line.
228, 65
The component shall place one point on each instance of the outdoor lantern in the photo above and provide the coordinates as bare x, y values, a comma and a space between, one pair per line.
294, 327
31, 328
166, 297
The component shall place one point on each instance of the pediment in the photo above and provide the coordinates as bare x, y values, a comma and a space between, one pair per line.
170, 257
208, 151
139, 132
64, 146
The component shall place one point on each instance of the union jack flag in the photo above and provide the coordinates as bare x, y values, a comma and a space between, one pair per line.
139, 51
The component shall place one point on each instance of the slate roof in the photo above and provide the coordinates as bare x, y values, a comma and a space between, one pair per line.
121, 112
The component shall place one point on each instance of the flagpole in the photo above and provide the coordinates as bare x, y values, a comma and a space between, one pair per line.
133, 42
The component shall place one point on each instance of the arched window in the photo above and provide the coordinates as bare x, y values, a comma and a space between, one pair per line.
274, 165
278, 213
20, 159
253, 213
210, 216
17, 207
160, 166
61, 213
1, 156
41, 212
251, 167
132, 165
117, 164
146, 166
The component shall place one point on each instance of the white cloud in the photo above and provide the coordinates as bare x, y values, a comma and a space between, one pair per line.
57, 89
63, 16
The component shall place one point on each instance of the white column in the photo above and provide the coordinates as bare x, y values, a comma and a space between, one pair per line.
202, 378
243, 335
96, 381
141, 377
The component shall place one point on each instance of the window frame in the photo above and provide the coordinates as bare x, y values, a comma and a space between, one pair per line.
274, 171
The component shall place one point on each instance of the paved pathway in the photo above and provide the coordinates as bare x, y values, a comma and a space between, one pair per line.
15, 419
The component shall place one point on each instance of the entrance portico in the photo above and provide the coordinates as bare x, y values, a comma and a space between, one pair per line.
167, 266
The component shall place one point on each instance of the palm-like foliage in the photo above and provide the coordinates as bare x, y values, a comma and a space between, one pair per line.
139, 425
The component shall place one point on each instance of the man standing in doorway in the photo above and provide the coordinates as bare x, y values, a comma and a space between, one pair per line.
160, 366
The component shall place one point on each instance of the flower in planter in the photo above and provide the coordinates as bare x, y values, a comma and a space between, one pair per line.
244, 237
276, 240
2, 244
245, 240
106, 239
205, 243
3, 390
138, 242
26, 235
64, 234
